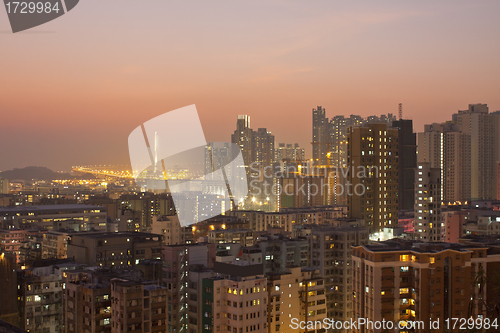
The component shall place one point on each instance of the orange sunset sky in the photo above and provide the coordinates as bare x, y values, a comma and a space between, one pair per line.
73, 89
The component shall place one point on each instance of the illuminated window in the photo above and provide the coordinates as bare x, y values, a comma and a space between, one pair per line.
405, 269
403, 291
382, 293
404, 257
432, 260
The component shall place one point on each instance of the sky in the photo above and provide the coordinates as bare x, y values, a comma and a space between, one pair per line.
72, 90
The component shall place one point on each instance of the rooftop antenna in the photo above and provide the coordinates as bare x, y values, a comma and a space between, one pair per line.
400, 111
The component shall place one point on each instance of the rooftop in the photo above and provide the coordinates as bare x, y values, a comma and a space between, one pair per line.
43, 208
397, 245
120, 234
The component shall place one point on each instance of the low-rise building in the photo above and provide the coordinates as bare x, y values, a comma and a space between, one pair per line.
114, 249
10, 242
78, 217
245, 237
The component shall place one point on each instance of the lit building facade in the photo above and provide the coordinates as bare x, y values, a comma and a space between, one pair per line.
373, 173
406, 281
331, 254
427, 225
114, 249
236, 300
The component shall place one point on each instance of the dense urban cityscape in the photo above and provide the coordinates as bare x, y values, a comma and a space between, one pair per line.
382, 230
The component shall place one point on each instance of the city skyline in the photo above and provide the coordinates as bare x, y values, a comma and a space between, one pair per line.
77, 100
249, 167
124, 164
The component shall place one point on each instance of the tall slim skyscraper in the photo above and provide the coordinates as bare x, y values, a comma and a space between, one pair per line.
338, 138
321, 136
242, 136
263, 147
373, 173
427, 223
256, 146
407, 148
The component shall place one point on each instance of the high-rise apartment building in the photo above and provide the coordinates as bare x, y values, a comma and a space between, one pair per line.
195, 303
235, 300
87, 302
427, 211
137, 307
482, 127
243, 137
178, 260
417, 282
331, 254
466, 150
258, 153
330, 137
295, 295
447, 148
144, 207
339, 126
104, 300
263, 146
40, 295
288, 153
373, 174
280, 254
320, 136
407, 152
498, 180
170, 228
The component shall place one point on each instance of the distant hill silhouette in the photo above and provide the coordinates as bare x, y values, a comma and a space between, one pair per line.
39, 173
